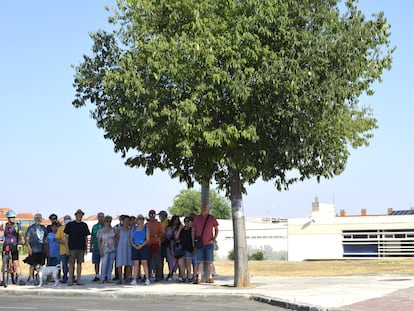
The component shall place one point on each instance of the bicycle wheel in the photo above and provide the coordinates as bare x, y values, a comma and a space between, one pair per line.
12, 272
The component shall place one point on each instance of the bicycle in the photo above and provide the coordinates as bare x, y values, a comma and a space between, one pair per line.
7, 267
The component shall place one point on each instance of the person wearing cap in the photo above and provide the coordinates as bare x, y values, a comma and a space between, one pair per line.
36, 242
157, 232
12, 232
60, 238
76, 242
96, 257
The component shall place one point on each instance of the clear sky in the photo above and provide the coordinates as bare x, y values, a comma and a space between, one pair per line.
54, 159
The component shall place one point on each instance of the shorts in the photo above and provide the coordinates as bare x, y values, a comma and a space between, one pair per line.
77, 255
205, 253
96, 257
14, 251
35, 259
188, 255
140, 254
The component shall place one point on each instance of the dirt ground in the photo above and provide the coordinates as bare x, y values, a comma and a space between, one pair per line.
304, 268
321, 268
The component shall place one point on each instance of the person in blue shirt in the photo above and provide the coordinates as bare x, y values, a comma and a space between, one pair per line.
54, 247
36, 241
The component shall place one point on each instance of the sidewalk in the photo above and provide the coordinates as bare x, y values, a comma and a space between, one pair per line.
357, 293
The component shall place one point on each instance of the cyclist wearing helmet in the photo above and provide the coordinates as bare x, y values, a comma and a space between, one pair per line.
12, 232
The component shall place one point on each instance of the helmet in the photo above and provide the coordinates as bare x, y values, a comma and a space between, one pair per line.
10, 214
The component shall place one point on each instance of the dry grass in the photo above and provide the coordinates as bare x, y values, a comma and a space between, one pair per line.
306, 268
321, 268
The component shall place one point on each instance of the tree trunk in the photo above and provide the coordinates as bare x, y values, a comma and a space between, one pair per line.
205, 193
241, 271
205, 200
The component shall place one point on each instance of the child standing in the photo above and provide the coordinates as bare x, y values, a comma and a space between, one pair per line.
54, 247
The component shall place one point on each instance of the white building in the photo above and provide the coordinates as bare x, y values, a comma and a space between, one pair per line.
327, 236
266, 235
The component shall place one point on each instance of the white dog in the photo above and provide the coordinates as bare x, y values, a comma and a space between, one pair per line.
44, 271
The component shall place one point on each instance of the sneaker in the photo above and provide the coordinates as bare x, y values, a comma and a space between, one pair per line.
169, 277
180, 279
133, 282
96, 279
21, 282
147, 282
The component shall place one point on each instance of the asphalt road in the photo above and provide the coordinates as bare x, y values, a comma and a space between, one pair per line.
95, 304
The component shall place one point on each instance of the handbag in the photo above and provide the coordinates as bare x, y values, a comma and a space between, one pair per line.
178, 250
198, 241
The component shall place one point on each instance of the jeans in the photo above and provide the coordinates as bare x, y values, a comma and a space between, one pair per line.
159, 264
107, 265
65, 269
53, 261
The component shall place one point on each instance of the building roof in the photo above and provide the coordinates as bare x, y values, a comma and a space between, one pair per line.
403, 212
25, 216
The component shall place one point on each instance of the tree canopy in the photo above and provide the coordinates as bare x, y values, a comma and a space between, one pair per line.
188, 201
268, 88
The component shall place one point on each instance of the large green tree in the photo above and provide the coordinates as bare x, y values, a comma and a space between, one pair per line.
189, 200
234, 90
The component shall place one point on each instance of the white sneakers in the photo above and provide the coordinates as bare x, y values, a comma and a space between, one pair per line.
134, 282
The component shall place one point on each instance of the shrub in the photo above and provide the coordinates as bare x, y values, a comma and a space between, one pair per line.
231, 255
258, 255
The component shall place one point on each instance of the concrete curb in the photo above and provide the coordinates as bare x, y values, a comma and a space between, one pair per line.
131, 293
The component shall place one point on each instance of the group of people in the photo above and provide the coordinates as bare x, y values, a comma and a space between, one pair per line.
54, 244
134, 244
